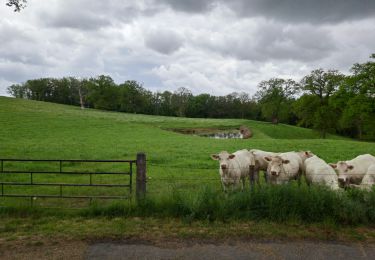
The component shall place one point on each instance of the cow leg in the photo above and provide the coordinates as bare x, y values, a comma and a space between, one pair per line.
238, 184
251, 180
251, 176
224, 186
265, 176
299, 178
256, 177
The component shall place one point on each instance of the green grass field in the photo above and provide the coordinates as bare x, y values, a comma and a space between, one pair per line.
39, 130
183, 181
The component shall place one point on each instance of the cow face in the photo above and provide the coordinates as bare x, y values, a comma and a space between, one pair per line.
343, 170
275, 165
252, 160
224, 159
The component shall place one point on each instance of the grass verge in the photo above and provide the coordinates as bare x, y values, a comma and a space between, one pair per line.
271, 212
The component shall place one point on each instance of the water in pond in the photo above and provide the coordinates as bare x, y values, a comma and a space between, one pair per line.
210, 132
230, 135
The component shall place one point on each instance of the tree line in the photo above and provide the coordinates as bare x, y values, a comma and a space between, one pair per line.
325, 100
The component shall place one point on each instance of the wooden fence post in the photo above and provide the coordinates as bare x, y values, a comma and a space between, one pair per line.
141, 176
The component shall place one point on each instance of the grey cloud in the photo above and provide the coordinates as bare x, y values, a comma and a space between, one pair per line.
92, 15
75, 14
19, 46
18, 72
318, 11
217, 52
191, 6
86, 21
274, 41
163, 41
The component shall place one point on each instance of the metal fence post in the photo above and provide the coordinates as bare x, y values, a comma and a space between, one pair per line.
141, 176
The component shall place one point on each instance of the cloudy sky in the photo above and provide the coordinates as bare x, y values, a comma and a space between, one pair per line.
211, 46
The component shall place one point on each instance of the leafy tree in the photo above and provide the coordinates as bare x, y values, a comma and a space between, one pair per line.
134, 98
199, 106
18, 91
322, 84
180, 101
40, 89
304, 108
102, 92
356, 101
244, 100
166, 103
275, 97
359, 113
364, 77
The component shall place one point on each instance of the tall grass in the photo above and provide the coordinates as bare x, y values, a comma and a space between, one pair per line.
287, 203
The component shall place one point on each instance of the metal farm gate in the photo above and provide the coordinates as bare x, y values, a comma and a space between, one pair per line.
44, 173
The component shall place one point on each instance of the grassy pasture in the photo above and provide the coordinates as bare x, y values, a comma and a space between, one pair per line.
176, 162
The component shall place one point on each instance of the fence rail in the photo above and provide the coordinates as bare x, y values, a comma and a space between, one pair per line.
8, 168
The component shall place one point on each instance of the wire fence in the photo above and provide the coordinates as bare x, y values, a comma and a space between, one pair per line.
161, 177
216, 168
180, 176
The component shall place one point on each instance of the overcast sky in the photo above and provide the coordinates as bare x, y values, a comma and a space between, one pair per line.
207, 46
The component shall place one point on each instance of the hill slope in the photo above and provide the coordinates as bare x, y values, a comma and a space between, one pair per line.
35, 130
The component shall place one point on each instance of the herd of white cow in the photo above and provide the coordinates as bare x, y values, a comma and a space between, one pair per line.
280, 168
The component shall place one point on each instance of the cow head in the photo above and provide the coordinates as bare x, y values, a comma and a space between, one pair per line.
343, 170
252, 160
275, 165
224, 159
305, 154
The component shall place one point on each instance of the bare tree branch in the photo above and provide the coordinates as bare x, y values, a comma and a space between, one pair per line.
17, 4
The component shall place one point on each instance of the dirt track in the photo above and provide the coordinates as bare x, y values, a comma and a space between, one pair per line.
236, 250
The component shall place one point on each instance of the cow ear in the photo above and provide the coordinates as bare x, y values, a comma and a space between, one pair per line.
285, 161
231, 156
333, 165
268, 159
215, 157
350, 167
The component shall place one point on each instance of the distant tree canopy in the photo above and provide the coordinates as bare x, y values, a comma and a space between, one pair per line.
275, 96
327, 101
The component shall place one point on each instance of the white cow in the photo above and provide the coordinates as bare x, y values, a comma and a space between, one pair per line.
304, 155
368, 180
233, 168
353, 171
317, 171
258, 163
283, 167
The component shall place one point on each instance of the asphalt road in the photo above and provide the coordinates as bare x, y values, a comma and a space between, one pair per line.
228, 250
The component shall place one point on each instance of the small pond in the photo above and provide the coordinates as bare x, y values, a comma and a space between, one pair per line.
210, 132
224, 135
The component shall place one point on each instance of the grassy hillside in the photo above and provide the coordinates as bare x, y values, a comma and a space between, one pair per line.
31, 129
35, 130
